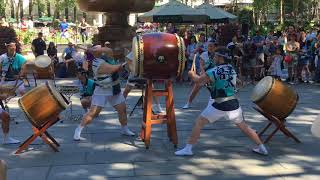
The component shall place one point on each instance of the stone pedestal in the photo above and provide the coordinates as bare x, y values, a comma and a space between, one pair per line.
118, 32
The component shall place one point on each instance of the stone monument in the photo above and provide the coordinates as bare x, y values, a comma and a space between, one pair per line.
116, 30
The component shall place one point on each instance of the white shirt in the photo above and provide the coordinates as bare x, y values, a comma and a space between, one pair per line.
96, 63
205, 56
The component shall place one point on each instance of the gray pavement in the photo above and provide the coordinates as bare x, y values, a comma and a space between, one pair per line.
222, 153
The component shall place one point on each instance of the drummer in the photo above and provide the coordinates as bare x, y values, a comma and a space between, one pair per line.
107, 90
5, 119
13, 68
86, 89
223, 81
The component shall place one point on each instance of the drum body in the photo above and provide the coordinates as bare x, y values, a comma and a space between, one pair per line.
42, 103
274, 97
157, 56
43, 67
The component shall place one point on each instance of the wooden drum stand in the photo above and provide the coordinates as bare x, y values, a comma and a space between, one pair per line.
149, 119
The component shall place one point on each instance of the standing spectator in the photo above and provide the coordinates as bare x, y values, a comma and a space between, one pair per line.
83, 29
317, 59
38, 45
64, 26
191, 51
304, 58
292, 48
24, 25
30, 23
258, 42
275, 68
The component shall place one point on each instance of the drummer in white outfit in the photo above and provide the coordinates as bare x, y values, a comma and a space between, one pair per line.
107, 91
13, 68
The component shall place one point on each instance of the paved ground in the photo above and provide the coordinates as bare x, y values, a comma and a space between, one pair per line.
223, 151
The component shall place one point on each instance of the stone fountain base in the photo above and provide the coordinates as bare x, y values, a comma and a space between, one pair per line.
118, 32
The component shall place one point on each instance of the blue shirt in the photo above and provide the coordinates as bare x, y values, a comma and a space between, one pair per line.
17, 61
69, 50
223, 78
256, 40
63, 26
88, 89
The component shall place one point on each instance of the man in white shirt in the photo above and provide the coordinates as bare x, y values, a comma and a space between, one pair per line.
107, 90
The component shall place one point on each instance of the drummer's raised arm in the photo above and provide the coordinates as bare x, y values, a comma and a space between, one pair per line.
109, 69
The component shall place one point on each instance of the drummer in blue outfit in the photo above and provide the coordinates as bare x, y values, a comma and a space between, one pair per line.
86, 89
222, 79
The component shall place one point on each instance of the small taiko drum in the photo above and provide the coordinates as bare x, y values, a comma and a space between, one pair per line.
43, 67
274, 97
157, 56
42, 104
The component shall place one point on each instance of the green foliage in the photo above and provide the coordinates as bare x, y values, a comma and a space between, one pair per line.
27, 36
2, 8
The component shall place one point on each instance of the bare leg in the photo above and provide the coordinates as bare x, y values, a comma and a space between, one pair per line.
196, 130
249, 132
88, 117
195, 89
3, 170
4, 116
127, 90
122, 113
86, 103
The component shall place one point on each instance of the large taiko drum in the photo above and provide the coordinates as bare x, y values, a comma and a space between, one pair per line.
157, 56
42, 103
43, 67
274, 97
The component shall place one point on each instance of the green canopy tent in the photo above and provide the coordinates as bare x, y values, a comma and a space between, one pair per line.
174, 12
216, 14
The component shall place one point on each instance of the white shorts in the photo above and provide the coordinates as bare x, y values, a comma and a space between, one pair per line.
102, 100
21, 88
213, 114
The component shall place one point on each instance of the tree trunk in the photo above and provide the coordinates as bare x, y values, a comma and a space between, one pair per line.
30, 7
75, 13
281, 11
66, 13
39, 10
12, 12
49, 9
57, 10
21, 9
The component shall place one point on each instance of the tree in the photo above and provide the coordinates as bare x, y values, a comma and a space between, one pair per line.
2, 8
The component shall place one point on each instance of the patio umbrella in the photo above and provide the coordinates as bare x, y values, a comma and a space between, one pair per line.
216, 14
175, 12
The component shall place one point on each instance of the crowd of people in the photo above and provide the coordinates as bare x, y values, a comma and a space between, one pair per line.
291, 55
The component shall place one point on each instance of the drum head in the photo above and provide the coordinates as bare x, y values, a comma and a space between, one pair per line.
42, 61
57, 95
134, 64
262, 88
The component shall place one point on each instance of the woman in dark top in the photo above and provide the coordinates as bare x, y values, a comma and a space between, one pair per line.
52, 52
